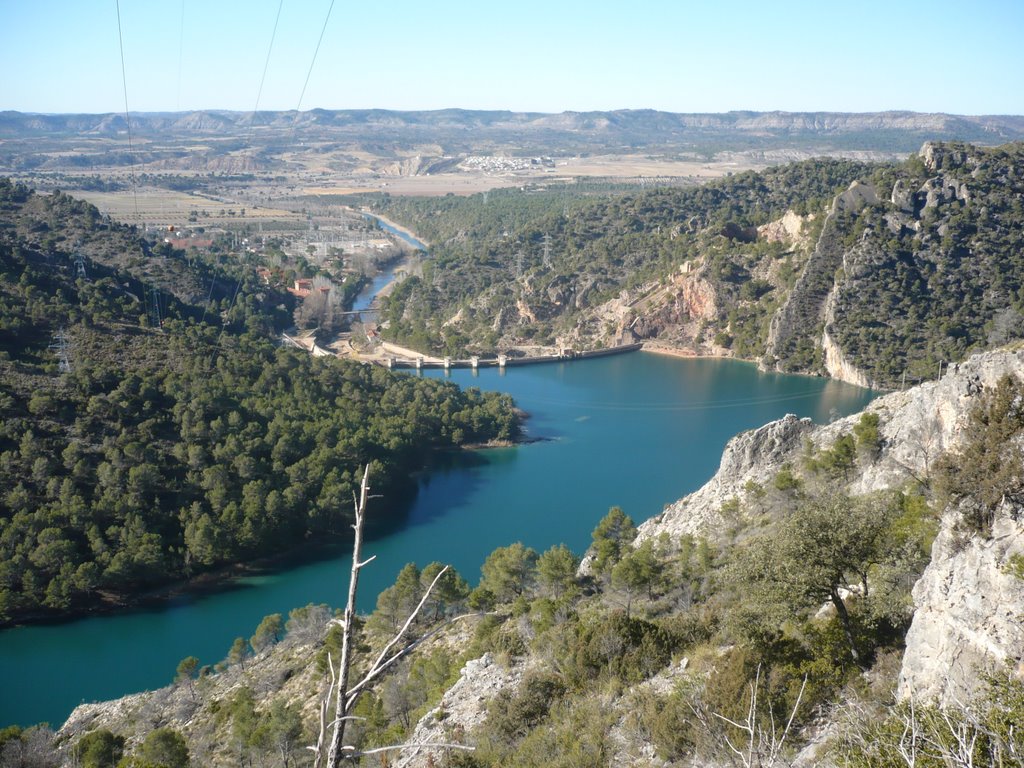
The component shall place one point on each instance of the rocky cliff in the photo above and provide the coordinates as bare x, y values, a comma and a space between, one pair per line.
916, 427
673, 313
912, 267
968, 606
929, 266
793, 331
968, 620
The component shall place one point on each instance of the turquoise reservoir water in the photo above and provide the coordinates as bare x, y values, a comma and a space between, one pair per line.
637, 430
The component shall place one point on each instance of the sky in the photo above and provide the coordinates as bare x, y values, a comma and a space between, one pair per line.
959, 57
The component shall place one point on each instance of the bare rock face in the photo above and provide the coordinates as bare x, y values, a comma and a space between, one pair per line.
838, 365
756, 455
672, 313
920, 424
916, 427
969, 608
857, 195
463, 707
784, 230
903, 198
697, 298
969, 617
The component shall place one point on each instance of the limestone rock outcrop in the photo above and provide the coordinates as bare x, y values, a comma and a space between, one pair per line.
838, 366
969, 608
969, 614
916, 426
788, 229
756, 456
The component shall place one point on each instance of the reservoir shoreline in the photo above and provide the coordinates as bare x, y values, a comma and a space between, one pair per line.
634, 431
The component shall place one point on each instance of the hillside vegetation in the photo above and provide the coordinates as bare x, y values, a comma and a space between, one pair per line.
935, 269
155, 453
517, 266
870, 272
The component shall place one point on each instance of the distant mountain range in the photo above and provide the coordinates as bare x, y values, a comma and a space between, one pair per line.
896, 131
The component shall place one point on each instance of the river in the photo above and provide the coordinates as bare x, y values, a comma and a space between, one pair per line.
377, 284
637, 430
387, 226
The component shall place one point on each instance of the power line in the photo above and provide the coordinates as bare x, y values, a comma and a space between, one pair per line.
235, 294
266, 65
213, 282
127, 119
315, 52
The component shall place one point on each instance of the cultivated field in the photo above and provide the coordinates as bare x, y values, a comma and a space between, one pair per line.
165, 207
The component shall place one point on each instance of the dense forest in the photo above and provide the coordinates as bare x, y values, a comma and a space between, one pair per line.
935, 269
135, 452
919, 265
563, 254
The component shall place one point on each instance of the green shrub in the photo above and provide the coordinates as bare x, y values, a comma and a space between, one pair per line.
668, 722
988, 468
512, 715
785, 480
869, 441
619, 646
98, 749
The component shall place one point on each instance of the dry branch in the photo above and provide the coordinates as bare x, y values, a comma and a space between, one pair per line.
339, 692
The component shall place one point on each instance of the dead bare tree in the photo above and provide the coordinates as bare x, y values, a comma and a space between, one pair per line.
761, 747
330, 748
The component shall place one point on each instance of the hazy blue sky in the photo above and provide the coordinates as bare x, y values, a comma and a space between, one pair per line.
552, 55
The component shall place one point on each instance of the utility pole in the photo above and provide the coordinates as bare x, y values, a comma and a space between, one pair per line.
154, 309
61, 346
80, 266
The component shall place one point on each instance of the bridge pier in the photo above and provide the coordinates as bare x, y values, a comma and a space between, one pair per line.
474, 362
502, 359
